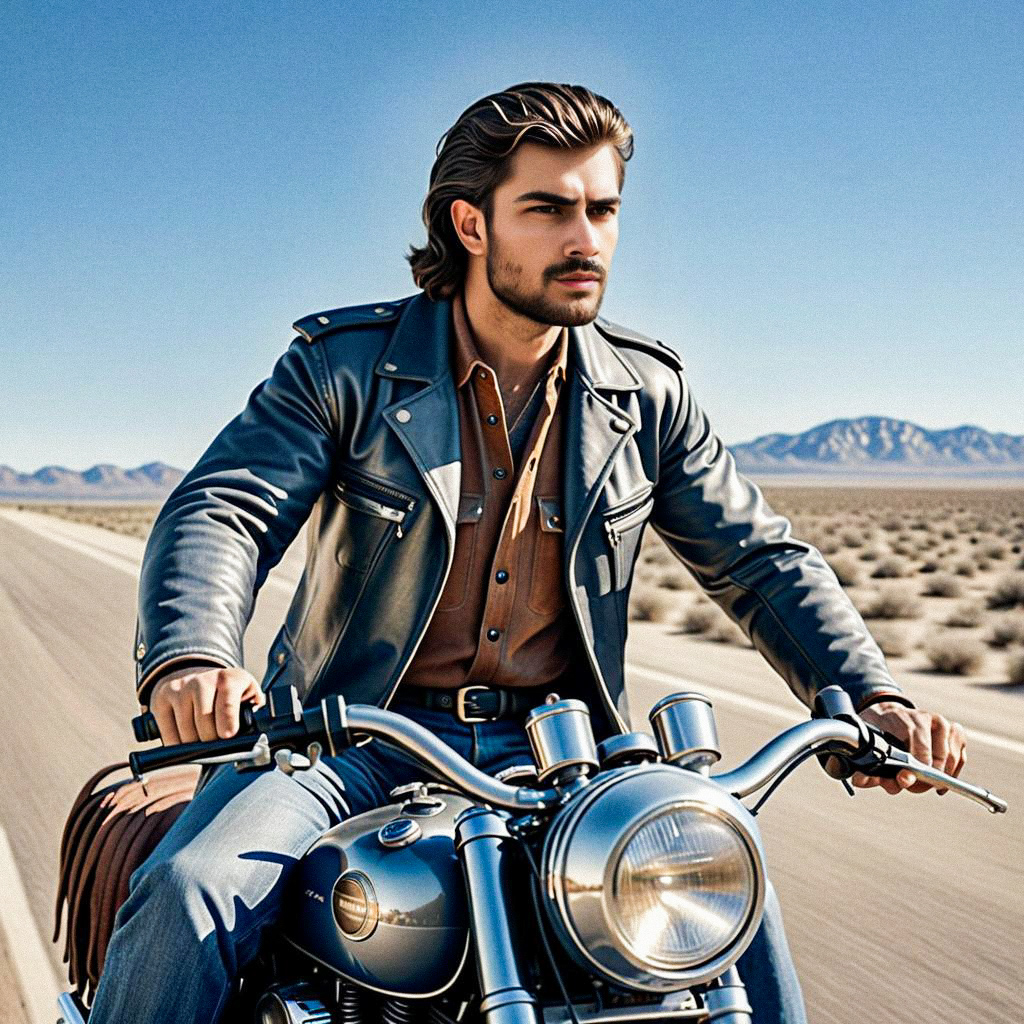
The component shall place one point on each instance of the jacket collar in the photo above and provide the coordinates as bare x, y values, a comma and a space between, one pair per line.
420, 348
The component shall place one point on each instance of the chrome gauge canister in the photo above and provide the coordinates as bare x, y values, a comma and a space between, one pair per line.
684, 724
561, 738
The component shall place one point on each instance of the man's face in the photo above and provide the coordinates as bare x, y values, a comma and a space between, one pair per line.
556, 214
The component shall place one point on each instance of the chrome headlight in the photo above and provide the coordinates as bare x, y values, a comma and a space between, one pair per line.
655, 878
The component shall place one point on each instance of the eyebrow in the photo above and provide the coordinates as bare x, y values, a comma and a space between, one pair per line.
557, 200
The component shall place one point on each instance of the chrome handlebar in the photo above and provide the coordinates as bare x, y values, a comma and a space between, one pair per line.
829, 733
284, 725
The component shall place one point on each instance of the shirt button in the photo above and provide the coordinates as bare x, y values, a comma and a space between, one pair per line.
482, 375
501, 576
500, 474
493, 634
492, 419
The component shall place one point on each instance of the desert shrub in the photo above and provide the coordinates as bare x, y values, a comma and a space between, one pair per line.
675, 579
948, 534
965, 615
651, 604
965, 568
983, 565
698, 618
954, 656
1015, 669
904, 548
1008, 592
931, 565
725, 631
870, 555
846, 569
942, 584
1009, 630
852, 538
892, 523
889, 568
892, 604
892, 639
994, 551
658, 555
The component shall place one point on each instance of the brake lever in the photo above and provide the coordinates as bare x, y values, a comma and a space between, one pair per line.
898, 760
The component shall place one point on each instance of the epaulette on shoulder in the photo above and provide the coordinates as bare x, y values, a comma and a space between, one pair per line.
620, 335
317, 325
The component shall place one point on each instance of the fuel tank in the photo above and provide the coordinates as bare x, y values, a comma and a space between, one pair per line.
380, 898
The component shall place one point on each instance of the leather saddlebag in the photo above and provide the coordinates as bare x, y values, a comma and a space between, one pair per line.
110, 831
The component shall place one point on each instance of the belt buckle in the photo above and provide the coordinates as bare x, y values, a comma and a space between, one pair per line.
460, 703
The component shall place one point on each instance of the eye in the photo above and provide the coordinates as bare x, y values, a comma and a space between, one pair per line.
549, 207
605, 208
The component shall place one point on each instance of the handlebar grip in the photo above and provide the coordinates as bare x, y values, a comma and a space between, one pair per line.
145, 728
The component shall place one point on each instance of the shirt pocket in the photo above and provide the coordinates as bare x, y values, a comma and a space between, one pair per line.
471, 508
624, 525
372, 514
546, 595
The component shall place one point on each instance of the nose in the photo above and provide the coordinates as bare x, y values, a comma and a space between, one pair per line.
584, 239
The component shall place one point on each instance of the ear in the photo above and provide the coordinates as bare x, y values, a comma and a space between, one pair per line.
469, 224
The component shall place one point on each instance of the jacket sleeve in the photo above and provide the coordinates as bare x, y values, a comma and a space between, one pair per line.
779, 590
231, 518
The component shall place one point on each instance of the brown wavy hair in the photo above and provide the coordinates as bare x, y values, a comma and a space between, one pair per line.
473, 159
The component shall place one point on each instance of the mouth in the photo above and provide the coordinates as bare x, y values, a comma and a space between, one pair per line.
579, 282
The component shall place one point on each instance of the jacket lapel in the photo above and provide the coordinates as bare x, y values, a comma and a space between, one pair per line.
427, 422
597, 429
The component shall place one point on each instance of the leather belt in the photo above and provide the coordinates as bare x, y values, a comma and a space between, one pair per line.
476, 702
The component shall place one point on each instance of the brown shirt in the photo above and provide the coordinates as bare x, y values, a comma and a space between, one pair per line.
504, 616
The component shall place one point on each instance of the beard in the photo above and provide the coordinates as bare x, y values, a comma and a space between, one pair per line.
505, 278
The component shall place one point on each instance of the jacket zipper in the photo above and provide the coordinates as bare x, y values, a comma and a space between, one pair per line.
367, 495
617, 525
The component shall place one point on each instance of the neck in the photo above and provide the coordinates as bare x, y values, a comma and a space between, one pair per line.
514, 346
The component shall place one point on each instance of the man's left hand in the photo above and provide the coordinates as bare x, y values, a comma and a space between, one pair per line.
930, 738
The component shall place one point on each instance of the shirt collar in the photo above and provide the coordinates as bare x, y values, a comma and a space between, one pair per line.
466, 356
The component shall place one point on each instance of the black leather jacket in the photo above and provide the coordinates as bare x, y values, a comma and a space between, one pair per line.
357, 429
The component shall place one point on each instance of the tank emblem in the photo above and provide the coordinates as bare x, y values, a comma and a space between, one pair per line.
355, 905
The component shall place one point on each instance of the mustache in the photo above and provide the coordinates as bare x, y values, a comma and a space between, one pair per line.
578, 267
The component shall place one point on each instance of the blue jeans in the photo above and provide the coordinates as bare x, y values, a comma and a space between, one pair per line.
198, 906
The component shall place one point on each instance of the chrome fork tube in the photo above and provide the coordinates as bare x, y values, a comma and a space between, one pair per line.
725, 1000
482, 841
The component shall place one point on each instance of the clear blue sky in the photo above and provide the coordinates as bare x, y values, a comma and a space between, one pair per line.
823, 215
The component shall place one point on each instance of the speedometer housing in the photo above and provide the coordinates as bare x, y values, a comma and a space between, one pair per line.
654, 878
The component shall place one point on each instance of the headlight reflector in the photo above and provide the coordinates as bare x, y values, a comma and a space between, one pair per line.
682, 889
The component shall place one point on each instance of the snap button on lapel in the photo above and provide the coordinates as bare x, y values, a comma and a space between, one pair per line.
390, 367
323, 320
380, 310
620, 425
403, 415
140, 652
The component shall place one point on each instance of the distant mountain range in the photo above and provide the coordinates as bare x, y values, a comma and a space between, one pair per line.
869, 445
153, 481
880, 444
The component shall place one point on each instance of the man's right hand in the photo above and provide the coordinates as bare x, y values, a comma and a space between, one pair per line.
202, 703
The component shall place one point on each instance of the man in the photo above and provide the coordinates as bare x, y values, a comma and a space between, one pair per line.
477, 463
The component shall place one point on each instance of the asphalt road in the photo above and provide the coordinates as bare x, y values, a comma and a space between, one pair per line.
904, 908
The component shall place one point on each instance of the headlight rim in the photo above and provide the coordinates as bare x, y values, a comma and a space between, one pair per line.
636, 793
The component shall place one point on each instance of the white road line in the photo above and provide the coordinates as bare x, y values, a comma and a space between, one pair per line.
778, 711
111, 558
36, 976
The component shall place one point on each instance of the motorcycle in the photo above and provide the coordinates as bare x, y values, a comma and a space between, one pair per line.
641, 872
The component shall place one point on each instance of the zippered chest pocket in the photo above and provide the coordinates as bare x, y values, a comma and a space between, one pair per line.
370, 513
624, 526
